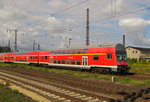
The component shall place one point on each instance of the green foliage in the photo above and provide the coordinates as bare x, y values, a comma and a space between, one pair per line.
140, 68
143, 61
133, 81
4, 49
8, 95
147, 82
132, 60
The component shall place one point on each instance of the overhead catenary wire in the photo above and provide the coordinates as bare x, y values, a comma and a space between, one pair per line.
65, 9
110, 18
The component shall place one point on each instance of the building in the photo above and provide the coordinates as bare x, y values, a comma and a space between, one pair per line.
138, 53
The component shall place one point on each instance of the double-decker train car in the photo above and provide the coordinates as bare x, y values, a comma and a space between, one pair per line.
100, 59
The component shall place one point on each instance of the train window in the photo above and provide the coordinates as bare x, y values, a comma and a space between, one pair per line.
85, 50
55, 52
73, 51
55, 61
73, 62
59, 52
68, 62
68, 52
59, 61
78, 62
109, 56
79, 51
43, 57
52, 52
63, 52
63, 61
46, 57
35, 57
95, 57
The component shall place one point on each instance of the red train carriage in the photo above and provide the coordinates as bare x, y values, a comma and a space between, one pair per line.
101, 59
1, 57
21, 58
44, 58
33, 58
8, 57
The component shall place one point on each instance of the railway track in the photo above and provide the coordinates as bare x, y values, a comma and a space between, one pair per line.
81, 89
54, 93
89, 85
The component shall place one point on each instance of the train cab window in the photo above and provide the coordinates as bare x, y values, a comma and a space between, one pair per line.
109, 55
73, 62
79, 51
73, 51
85, 50
68, 62
63, 61
78, 62
95, 57
59, 61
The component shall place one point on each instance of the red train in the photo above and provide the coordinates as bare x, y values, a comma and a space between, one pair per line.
100, 59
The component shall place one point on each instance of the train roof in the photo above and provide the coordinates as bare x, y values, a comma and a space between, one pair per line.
117, 46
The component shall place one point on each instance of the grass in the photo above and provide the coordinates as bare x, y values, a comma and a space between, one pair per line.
133, 81
140, 68
84, 74
8, 95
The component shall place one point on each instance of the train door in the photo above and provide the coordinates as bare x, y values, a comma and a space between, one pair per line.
51, 59
85, 60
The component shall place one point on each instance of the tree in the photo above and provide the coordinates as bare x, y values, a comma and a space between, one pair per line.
5, 49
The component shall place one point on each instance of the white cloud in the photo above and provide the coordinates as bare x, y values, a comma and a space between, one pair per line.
134, 22
135, 29
54, 25
35, 17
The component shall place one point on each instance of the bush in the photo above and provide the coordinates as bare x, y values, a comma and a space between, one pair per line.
143, 61
132, 60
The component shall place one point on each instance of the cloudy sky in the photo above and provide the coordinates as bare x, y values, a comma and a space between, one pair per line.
51, 23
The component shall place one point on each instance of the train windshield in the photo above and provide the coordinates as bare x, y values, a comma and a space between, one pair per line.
121, 56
